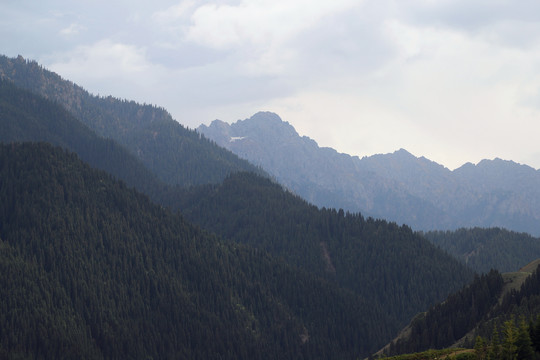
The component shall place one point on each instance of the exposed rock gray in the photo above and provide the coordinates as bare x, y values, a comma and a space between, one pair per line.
397, 186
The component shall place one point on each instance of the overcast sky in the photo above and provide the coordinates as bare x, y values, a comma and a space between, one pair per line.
454, 81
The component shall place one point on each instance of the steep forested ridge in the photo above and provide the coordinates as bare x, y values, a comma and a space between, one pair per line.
92, 269
391, 265
445, 323
488, 311
175, 154
486, 249
25, 116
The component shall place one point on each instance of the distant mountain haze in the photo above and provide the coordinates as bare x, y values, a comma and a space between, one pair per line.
398, 186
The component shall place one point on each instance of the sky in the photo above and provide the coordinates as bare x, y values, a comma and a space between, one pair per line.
454, 81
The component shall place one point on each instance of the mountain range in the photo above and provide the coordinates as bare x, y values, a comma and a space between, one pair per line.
177, 248
399, 186
373, 275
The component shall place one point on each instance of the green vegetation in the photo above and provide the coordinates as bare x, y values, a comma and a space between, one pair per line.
449, 353
486, 311
513, 341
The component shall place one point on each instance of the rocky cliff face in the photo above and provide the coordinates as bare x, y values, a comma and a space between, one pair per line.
397, 186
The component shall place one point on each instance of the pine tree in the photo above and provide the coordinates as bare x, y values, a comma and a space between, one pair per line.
534, 332
523, 342
509, 348
494, 352
480, 348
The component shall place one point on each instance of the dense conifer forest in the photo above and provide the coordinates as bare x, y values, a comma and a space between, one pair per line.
486, 249
389, 264
445, 323
499, 320
92, 269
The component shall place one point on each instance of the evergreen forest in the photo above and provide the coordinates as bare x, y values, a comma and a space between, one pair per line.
386, 263
498, 320
485, 249
93, 269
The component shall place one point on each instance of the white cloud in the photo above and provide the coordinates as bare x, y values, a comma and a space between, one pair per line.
174, 13
105, 58
257, 22
109, 68
261, 32
72, 30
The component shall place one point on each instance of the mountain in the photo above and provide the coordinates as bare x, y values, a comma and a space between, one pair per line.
373, 275
392, 267
320, 175
486, 249
176, 155
91, 269
398, 186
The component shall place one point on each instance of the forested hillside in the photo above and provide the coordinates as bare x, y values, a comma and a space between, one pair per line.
389, 264
91, 269
486, 249
175, 154
25, 116
445, 323
496, 314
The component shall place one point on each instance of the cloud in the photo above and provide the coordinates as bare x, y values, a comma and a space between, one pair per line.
109, 68
72, 30
260, 33
258, 23
174, 13
106, 58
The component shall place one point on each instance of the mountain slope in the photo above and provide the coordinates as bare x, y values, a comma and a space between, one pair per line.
389, 265
25, 116
399, 186
175, 154
91, 269
492, 301
486, 249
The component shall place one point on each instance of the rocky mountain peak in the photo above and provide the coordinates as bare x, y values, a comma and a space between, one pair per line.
267, 124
